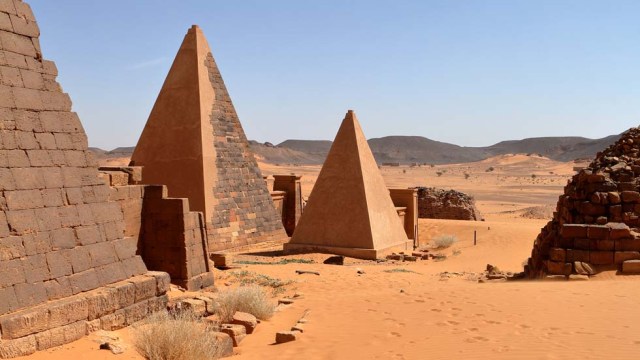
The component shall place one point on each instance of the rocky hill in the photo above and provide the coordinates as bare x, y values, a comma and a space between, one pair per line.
417, 149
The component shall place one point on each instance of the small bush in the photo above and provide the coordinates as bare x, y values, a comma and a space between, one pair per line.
250, 299
444, 241
439, 173
400, 270
180, 336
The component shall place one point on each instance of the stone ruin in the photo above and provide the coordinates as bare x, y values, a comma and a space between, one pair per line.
597, 218
193, 142
350, 211
434, 203
67, 265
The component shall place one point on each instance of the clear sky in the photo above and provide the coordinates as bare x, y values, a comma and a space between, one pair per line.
467, 72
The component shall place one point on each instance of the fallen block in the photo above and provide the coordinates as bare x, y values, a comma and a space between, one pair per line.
247, 320
225, 343
286, 336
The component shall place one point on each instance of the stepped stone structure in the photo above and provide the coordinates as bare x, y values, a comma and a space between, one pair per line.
66, 266
597, 218
193, 143
436, 203
350, 211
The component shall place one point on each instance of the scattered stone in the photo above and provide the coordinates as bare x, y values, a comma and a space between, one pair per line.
335, 260
410, 258
298, 327
237, 332
398, 257
583, 268
114, 348
247, 320
286, 336
285, 301
300, 272
359, 271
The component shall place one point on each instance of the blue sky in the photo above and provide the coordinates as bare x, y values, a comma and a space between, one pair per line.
467, 72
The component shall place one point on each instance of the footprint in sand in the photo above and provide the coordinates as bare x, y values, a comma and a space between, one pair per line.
476, 339
440, 323
637, 342
524, 326
436, 310
396, 334
419, 300
493, 322
453, 322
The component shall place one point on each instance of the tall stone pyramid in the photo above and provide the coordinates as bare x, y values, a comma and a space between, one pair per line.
597, 217
350, 211
62, 243
194, 143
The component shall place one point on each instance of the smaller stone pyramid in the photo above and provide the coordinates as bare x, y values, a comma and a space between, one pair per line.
350, 211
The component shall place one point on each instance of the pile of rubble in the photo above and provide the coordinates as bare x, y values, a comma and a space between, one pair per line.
597, 218
434, 203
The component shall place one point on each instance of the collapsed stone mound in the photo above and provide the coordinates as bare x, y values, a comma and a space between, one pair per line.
597, 218
434, 203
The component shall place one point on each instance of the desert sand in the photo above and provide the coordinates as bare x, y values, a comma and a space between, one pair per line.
437, 309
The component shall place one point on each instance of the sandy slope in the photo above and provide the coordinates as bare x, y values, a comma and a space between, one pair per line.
430, 314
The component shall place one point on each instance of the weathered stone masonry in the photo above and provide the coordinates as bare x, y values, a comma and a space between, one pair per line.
67, 267
436, 203
597, 218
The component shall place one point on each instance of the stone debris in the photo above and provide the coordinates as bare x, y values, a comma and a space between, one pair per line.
225, 343
247, 320
113, 347
335, 260
286, 336
597, 218
436, 203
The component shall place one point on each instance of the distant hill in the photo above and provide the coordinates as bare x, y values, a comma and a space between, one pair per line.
417, 149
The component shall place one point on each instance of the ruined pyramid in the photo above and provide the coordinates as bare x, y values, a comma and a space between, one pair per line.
65, 263
596, 218
350, 211
194, 143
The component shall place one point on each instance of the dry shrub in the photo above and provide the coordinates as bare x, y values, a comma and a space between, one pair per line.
444, 241
175, 336
250, 299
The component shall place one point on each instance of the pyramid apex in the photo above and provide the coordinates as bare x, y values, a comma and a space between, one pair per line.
195, 28
351, 115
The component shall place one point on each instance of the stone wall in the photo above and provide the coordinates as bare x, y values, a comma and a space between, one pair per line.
169, 236
597, 217
436, 203
61, 239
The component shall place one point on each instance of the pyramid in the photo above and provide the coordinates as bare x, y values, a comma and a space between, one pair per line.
597, 217
194, 143
350, 211
66, 264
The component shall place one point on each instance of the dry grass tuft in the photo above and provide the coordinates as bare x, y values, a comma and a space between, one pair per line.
250, 299
175, 336
444, 241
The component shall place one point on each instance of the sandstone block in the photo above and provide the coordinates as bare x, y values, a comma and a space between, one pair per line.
630, 244
114, 321
84, 281
145, 287
573, 231
225, 343
197, 306
598, 232
577, 255
630, 196
236, 332
631, 267
67, 311
163, 281
581, 244
286, 336
601, 257
136, 312
9, 301
618, 230
125, 293
24, 323
602, 245
247, 320
558, 268
18, 347
102, 302
58, 288
622, 256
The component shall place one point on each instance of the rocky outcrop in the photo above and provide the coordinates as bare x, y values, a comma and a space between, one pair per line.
436, 203
597, 216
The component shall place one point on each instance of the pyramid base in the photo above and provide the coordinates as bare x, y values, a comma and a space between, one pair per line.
359, 253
